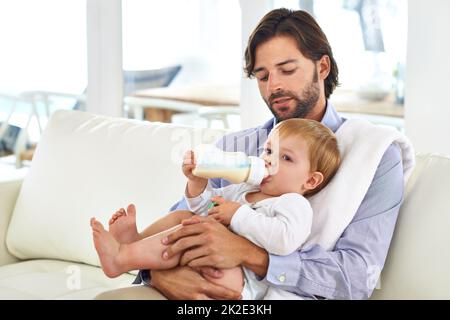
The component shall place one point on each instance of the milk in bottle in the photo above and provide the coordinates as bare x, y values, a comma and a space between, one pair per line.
236, 167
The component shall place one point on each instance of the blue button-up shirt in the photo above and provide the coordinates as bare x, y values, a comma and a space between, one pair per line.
352, 268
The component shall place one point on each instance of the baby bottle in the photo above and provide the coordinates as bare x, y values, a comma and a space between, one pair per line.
236, 167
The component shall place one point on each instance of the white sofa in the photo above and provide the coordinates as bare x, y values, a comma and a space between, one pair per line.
87, 165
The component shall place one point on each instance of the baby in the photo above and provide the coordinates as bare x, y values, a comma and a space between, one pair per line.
301, 157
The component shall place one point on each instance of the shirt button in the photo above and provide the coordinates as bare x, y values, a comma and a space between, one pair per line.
282, 278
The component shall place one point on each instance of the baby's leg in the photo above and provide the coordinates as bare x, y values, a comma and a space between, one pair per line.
116, 258
232, 278
168, 221
122, 224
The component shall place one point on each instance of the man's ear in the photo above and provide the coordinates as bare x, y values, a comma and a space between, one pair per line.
324, 67
314, 180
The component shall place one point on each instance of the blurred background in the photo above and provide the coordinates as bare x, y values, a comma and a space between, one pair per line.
181, 61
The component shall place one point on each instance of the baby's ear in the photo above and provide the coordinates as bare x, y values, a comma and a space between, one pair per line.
315, 179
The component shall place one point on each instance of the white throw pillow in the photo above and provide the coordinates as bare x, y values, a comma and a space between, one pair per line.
88, 165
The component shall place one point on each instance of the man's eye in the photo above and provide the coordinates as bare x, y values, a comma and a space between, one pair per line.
263, 79
289, 71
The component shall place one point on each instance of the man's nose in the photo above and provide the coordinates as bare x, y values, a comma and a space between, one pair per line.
274, 84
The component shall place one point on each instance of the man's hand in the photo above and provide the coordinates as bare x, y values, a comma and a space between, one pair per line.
210, 272
184, 283
224, 210
206, 242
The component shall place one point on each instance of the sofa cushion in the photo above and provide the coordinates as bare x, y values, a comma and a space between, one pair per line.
53, 279
88, 165
418, 262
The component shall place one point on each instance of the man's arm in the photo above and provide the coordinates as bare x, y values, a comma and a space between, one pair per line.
351, 270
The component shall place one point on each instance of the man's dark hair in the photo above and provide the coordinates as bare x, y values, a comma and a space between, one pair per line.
300, 26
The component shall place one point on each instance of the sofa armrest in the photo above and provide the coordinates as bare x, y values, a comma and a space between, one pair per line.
9, 191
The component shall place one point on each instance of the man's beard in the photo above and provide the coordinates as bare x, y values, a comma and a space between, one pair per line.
304, 103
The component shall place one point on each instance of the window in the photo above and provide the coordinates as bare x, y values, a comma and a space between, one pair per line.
43, 49
203, 36
368, 38
183, 44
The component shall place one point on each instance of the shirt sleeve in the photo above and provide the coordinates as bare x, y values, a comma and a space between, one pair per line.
351, 270
215, 184
199, 204
180, 205
281, 233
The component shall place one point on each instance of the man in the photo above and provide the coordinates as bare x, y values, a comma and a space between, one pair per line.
291, 59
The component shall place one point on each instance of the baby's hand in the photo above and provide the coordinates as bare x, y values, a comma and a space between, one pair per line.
189, 165
224, 210
195, 185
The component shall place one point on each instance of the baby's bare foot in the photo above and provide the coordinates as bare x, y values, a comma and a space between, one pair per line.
107, 249
122, 225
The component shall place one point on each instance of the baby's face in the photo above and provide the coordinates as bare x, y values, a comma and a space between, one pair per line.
288, 165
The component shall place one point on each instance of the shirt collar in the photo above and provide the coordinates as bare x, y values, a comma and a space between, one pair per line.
331, 118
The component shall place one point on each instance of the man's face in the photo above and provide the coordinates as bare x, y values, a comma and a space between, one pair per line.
287, 80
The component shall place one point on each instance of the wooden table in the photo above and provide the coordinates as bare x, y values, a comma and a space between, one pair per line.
349, 102
164, 102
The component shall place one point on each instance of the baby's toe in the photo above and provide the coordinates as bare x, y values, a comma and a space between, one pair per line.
131, 210
96, 225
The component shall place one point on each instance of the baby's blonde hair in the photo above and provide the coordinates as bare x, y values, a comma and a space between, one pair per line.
323, 151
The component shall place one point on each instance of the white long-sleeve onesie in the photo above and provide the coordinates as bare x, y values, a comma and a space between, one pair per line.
280, 225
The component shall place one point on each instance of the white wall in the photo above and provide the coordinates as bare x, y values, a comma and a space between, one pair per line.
427, 106
254, 110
